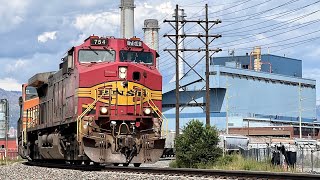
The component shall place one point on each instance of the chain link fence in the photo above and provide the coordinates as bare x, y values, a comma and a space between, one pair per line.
297, 157
308, 158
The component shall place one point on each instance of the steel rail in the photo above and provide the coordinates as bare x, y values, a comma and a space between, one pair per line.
185, 171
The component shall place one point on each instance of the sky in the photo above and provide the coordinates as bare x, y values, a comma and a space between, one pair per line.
35, 34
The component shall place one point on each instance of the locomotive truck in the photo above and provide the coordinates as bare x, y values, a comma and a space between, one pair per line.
103, 105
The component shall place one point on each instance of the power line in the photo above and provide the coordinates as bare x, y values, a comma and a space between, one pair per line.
294, 19
254, 15
226, 8
281, 15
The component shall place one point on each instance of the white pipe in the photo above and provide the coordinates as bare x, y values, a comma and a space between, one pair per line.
151, 35
182, 15
127, 18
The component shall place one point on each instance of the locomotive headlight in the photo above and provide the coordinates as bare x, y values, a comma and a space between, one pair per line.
103, 110
147, 111
122, 72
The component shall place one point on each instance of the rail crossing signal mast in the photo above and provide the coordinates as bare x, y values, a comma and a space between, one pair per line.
207, 39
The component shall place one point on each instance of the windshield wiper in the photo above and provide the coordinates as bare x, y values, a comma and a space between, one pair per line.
109, 51
93, 50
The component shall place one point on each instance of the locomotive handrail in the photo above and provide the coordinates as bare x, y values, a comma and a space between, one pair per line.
79, 126
159, 113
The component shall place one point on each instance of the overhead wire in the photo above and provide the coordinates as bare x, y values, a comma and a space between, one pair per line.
275, 18
254, 15
247, 37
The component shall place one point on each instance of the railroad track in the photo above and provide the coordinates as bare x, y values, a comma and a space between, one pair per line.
185, 172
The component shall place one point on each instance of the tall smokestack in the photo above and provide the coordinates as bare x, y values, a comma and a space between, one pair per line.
151, 35
127, 18
181, 16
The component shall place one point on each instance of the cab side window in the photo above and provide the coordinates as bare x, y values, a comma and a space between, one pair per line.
31, 93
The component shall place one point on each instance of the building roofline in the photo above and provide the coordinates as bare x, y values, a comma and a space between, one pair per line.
261, 55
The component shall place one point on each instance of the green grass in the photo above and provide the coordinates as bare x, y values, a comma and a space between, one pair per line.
10, 161
237, 162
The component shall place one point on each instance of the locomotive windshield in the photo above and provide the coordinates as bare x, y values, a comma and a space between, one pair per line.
138, 57
93, 55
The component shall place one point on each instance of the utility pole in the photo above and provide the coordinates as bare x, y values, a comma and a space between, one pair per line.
7, 129
177, 72
208, 40
300, 111
207, 70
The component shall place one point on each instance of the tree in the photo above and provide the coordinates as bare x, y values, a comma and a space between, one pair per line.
197, 144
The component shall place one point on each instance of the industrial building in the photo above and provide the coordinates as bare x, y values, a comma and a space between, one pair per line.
253, 90
8, 140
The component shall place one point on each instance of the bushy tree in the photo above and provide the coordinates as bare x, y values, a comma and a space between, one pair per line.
197, 145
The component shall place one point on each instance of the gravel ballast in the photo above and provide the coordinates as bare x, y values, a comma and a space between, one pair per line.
25, 172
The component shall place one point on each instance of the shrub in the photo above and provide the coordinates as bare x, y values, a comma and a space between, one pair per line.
197, 145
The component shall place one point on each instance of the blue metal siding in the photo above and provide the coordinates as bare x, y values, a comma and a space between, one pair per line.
251, 94
280, 65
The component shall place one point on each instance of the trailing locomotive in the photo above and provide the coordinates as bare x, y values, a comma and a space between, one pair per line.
103, 105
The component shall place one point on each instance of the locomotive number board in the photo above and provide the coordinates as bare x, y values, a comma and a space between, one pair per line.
98, 42
134, 43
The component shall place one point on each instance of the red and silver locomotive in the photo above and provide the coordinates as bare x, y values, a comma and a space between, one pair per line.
102, 106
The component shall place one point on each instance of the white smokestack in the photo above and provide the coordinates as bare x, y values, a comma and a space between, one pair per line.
151, 35
127, 18
181, 16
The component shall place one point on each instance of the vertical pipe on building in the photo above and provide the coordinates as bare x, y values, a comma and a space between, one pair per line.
300, 112
127, 18
151, 35
227, 108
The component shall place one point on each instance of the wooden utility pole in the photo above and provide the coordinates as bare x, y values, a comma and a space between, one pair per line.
177, 72
207, 69
208, 40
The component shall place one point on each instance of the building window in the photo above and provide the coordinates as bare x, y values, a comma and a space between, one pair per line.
245, 66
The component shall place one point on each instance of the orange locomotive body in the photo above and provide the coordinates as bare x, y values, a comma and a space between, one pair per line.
102, 106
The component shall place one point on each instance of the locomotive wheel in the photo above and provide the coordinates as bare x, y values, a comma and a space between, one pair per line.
125, 164
116, 164
136, 164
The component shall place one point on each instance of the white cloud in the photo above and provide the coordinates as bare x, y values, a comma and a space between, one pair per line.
16, 66
44, 37
105, 23
12, 14
165, 8
10, 84
146, 5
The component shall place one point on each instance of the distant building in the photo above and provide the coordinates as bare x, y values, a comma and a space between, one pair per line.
264, 88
